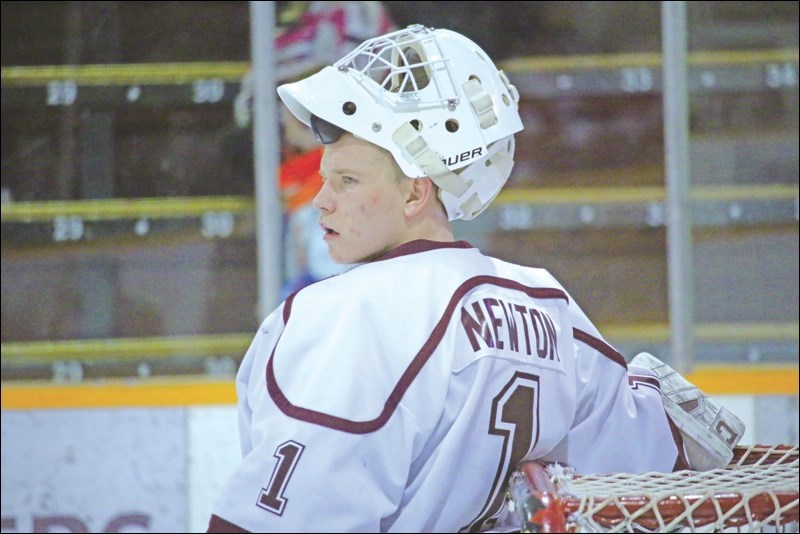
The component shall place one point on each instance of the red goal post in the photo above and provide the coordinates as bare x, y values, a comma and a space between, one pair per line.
757, 490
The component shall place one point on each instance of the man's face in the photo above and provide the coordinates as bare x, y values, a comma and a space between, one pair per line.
361, 201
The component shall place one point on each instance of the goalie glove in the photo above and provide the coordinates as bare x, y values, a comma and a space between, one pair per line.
710, 432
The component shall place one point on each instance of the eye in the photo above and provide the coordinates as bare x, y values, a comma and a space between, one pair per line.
348, 180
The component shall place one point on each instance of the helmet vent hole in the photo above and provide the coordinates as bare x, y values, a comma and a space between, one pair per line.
416, 124
348, 108
451, 125
506, 100
473, 77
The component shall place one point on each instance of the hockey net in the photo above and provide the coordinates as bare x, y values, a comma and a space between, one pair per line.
757, 491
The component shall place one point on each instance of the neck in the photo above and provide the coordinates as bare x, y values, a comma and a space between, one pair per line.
432, 225
435, 234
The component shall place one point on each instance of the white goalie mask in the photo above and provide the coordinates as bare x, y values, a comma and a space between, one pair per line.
433, 99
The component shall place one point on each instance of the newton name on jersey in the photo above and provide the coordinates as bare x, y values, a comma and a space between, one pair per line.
512, 326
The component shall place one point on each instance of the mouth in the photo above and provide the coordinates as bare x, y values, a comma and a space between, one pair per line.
328, 231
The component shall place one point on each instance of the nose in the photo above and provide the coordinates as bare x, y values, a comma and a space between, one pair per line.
322, 200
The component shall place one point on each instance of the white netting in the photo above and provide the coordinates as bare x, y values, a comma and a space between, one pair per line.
758, 490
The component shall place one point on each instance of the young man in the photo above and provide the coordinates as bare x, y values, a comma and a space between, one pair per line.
399, 396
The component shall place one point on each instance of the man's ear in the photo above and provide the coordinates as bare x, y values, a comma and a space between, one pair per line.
418, 192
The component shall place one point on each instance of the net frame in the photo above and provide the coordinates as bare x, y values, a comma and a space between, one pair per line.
758, 489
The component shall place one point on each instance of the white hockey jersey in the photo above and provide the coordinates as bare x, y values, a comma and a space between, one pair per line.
399, 396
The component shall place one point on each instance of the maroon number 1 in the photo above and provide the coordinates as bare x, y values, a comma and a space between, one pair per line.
515, 419
271, 497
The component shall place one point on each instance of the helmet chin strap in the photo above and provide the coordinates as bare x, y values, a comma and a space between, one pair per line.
488, 174
407, 138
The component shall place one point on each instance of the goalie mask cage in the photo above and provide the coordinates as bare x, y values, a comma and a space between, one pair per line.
757, 491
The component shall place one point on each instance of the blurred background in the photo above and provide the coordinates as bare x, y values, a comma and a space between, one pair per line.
130, 249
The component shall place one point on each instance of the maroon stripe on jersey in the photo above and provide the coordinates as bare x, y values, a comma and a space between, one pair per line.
650, 381
421, 245
600, 346
414, 368
217, 524
287, 307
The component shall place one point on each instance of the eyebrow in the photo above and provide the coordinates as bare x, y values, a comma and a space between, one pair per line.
341, 171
